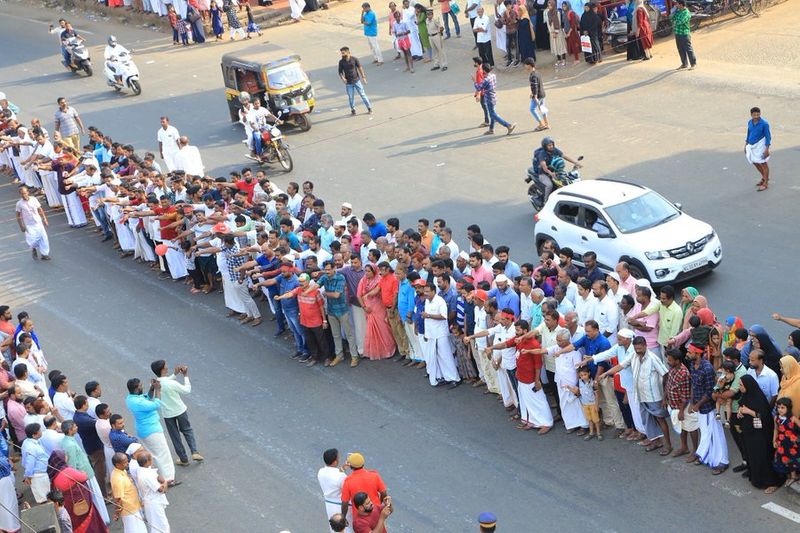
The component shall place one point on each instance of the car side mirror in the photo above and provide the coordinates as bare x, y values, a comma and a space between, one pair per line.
679, 206
605, 234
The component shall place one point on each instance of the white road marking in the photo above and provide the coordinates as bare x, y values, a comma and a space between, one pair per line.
87, 32
783, 511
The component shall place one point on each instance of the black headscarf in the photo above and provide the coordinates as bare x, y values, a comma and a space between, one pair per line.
590, 21
795, 335
772, 355
754, 399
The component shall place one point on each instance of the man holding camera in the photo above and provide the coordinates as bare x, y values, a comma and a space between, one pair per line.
174, 410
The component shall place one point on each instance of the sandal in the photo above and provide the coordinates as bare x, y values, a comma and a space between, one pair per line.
653, 447
770, 490
540, 128
665, 452
678, 453
763, 187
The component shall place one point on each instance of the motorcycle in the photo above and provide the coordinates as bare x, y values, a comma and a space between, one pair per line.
273, 147
617, 30
79, 55
562, 178
127, 71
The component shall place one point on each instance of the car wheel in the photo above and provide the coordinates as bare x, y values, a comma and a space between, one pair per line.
540, 242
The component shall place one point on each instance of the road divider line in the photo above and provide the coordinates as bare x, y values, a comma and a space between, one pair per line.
782, 511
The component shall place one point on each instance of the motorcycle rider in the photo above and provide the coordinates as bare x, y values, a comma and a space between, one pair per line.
66, 35
541, 164
112, 52
259, 119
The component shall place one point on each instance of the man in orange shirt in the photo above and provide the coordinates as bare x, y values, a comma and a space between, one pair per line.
390, 287
425, 234
361, 480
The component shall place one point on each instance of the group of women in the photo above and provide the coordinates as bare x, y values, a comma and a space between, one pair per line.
770, 432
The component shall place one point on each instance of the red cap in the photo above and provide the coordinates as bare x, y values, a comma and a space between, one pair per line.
419, 283
480, 294
220, 228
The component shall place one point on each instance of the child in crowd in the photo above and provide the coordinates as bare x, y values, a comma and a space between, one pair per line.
586, 391
252, 27
173, 21
786, 440
183, 30
64, 521
742, 337
724, 380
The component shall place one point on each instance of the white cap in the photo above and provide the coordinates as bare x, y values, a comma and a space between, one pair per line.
643, 282
133, 448
348, 205
614, 276
463, 255
90, 163
502, 278
625, 332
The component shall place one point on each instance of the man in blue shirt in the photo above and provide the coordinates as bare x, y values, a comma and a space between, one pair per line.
370, 22
756, 146
287, 282
505, 295
593, 343
332, 284
376, 227
144, 408
34, 463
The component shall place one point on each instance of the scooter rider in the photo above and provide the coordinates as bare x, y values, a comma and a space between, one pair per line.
112, 52
67, 34
541, 163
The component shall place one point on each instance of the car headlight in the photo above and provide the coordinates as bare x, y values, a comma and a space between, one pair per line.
662, 254
711, 236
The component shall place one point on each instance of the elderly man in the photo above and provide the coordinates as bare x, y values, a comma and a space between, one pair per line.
505, 365
441, 362
34, 463
713, 448
648, 389
188, 158
128, 504
152, 489
564, 377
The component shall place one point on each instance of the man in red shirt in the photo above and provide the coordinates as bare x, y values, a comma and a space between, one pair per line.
7, 329
369, 517
246, 184
312, 319
478, 78
361, 480
390, 287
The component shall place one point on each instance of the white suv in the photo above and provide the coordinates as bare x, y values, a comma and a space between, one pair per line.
622, 221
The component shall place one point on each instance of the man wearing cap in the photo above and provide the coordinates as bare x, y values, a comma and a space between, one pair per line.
487, 522
174, 410
441, 363
331, 478
435, 30
505, 295
361, 480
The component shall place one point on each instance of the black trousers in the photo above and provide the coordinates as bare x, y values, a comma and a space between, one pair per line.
550, 389
317, 343
485, 51
737, 437
625, 408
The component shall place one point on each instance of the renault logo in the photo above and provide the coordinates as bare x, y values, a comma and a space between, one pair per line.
690, 247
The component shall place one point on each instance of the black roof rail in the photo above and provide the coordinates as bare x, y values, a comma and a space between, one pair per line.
620, 181
582, 196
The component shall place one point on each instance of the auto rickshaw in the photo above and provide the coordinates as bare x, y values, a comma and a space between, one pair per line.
276, 78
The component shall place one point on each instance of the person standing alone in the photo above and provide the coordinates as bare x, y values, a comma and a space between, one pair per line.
756, 146
32, 222
683, 38
174, 410
370, 22
352, 74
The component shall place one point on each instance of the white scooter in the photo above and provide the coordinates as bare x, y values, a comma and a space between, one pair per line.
125, 73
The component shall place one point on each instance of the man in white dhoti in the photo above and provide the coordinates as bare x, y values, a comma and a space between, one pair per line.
34, 463
152, 489
566, 376
713, 448
32, 222
168, 147
90, 180
296, 7
44, 154
502, 331
128, 506
410, 18
486, 371
144, 408
437, 337
756, 146
331, 478
9, 507
188, 159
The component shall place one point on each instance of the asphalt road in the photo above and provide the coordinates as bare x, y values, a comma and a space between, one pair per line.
261, 420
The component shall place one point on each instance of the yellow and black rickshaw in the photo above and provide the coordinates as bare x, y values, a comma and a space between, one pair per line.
276, 78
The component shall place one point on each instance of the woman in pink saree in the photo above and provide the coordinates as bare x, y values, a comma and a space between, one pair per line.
378, 340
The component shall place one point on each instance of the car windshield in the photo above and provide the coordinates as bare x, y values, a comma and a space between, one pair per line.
286, 76
641, 213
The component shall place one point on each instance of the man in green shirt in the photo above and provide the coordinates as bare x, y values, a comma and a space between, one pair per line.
174, 410
683, 38
733, 355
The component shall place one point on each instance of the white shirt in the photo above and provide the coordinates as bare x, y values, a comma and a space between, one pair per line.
51, 440
168, 139
484, 23
585, 308
565, 372
330, 481
453, 249
93, 403
322, 255
647, 373
767, 381
29, 210
148, 485
606, 313
480, 325
548, 341
114, 51
364, 251
525, 306
472, 13
436, 329
65, 405
572, 292
188, 159
508, 355
294, 204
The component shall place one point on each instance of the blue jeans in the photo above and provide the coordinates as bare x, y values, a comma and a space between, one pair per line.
257, 142
536, 110
352, 88
450, 15
485, 110
280, 321
100, 213
493, 116
293, 319
65, 55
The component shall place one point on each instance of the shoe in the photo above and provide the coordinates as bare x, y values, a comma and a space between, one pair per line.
454, 384
727, 425
297, 355
488, 132
279, 333
444, 68
35, 254
304, 359
746, 473
483, 125
719, 469
173, 483
352, 111
369, 110
311, 362
197, 457
106, 238
181, 462
511, 128
353, 362
336, 360
437, 67
681, 67
692, 67
718, 417
740, 468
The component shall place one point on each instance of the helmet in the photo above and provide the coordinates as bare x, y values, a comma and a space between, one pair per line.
112, 41
557, 164
546, 141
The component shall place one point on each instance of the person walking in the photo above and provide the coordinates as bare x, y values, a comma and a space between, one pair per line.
488, 88
480, 97
756, 146
32, 222
538, 108
174, 410
370, 22
352, 74
683, 35
435, 31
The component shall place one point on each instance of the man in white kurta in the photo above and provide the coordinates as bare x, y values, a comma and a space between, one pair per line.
566, 376
505, 359
168, 136
437, 335
331, 478
152, 491
32, 222
188, 159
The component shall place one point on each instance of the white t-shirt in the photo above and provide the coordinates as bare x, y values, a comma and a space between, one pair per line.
331, 480
472, 13
480, 325
436, 329
168, 139
29, 210
65, 405
484, 23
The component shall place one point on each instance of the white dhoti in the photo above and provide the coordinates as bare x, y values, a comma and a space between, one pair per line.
127, 240
169, 160
40, 486
97, 499
434, 373
30, 178
108, 452
50, 185
636, 414
416, 44
688, 424
134, 523
713, 448
440, 353
142, 249
755, 152
181, 6
232, 300
156, 444
500, 39
533, 406
506, 389
415, 350
9, 508
571, 409
243, 294
176, 261
359, 327
36, 238
297, 8
73, 209
156, 514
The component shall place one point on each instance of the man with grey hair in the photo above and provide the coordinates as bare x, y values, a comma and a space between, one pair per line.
564, 377
576, 330
326, 233
188, 158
